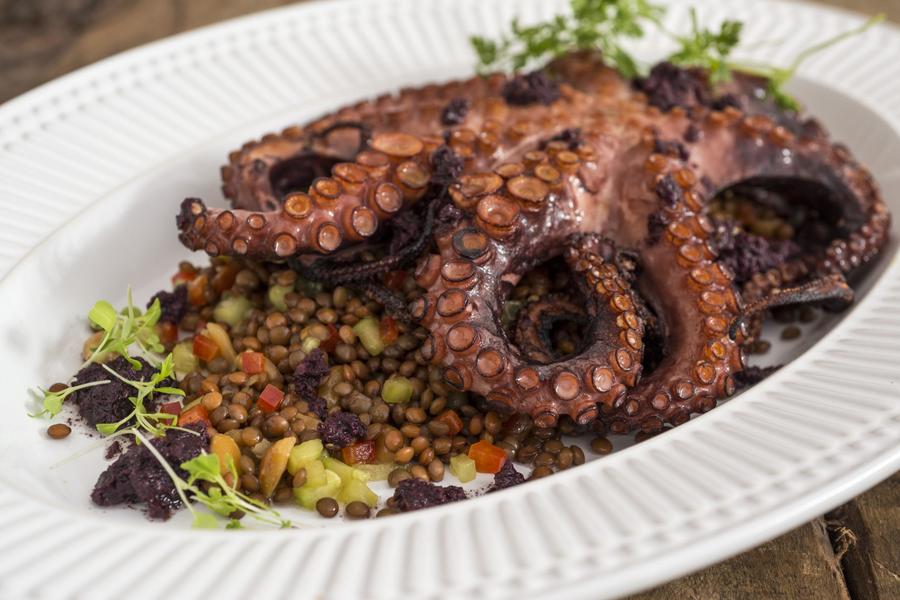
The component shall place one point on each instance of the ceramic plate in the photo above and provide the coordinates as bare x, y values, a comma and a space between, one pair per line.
92, 169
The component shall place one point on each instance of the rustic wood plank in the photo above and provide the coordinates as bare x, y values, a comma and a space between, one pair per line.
864, 534
800, 564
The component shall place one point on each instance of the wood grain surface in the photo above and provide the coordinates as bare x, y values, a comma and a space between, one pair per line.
853, 553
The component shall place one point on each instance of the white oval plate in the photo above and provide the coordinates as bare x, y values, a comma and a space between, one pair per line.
92, 168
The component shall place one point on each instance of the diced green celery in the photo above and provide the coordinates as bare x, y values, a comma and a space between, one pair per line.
369, 334
397, 390
310, 344
183, 358
301, 454
277, 294
354, 490
231, 310
315, 472
308, 494
376, 472
344, 471
463, 467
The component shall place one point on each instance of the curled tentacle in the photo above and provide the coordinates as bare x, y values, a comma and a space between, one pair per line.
347, 207
461, 310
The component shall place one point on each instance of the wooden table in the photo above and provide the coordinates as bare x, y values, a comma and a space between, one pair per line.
850, 553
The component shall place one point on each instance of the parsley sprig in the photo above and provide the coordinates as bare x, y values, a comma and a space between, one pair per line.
125, 329
708, 49
221, 498
155, 423
593, 24
606, 25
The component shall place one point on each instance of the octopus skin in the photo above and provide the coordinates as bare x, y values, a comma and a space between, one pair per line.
574, 162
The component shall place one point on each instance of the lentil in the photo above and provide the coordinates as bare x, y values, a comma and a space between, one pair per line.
357, 510
58, 431
601, 445
327, 507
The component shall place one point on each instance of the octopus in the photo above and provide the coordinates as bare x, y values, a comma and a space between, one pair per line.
473, 183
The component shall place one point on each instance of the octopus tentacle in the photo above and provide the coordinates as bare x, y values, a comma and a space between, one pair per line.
344, 208
461, 310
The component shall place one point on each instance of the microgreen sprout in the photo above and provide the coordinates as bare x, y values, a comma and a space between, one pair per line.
154, 423
52, 401
220, 497
606, 25
126, 328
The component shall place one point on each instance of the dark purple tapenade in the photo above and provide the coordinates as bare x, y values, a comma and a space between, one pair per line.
109, 403
414, 494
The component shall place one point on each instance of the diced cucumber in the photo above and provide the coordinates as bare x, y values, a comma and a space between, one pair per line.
397, 390
277, 294
308, 494
315, 472
369, 334
231, 310
183, 358
353, 490
344, 471
309, 450
463, 467
376, 472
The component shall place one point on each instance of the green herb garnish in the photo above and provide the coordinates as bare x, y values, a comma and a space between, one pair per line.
593, 24
153, 423
708, 49
126, 328
220, 497
606, 25
52, 401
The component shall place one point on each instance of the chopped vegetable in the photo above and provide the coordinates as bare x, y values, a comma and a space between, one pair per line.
488, 457
225, 276
197, 290
344, 471
309, 493
184, 358
226, 449
451, 420
184, 274
301, 454
252, 363
359, 452
463, 467
204, 348
376, 472
354, 490
194, 414
270, 398
171, 408
309, 344
232, 310
388, 330
273, 464
369, 332
221, 338
397, 390
277, 294
168, 332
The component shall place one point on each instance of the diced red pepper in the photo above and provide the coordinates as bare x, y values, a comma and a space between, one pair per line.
359, 453
168, 332
333, 338
451, 420
270, 399
204, 348
388, 330
170, 408
183, 276
488, 457
225, 277
194, 414
252, 363
197, 290
394, 280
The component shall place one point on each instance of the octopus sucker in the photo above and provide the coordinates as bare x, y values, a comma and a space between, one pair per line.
473, 183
